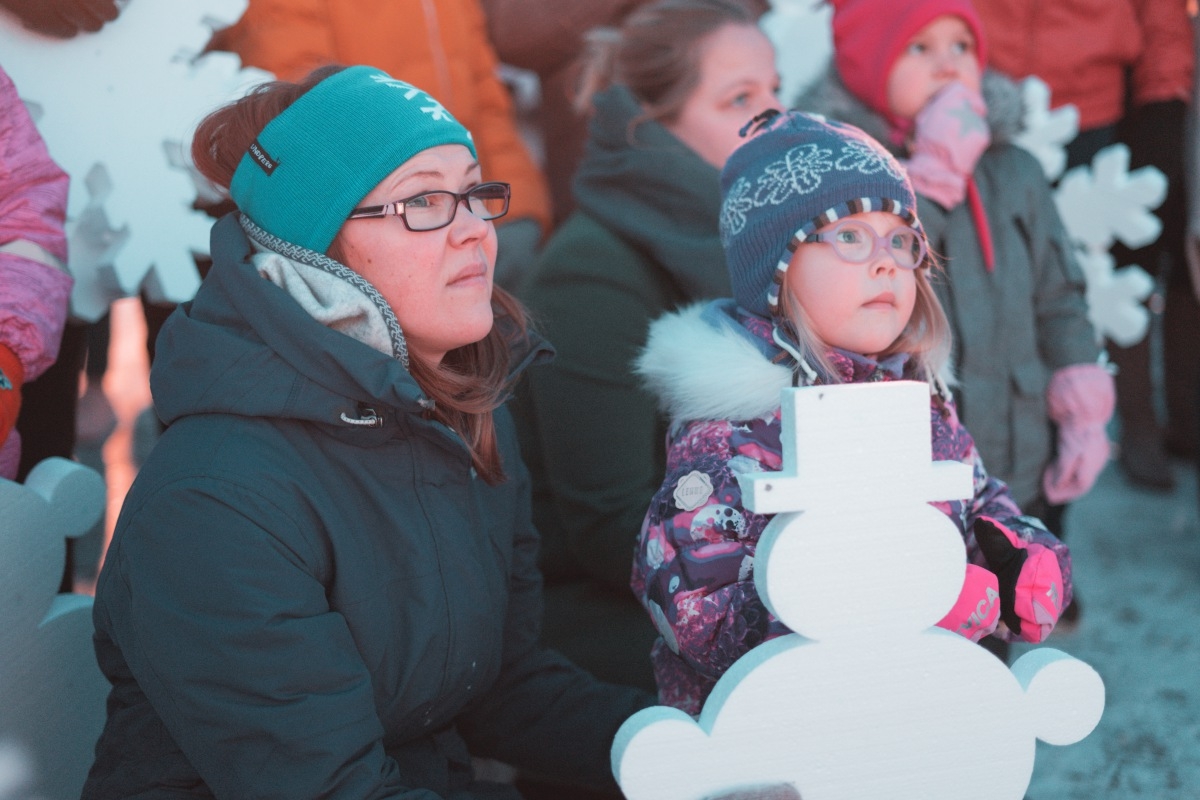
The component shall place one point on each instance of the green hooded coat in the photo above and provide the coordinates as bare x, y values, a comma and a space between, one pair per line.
298, 605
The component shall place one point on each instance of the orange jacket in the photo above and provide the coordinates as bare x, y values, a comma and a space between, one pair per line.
442, 46
1082, 48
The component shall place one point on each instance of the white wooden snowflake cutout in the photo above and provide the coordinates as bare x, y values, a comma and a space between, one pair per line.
1046, 132
867, 699
1115, 296
16, 773
111, 104
1107, 202
801, 32
1102, 204
51, 689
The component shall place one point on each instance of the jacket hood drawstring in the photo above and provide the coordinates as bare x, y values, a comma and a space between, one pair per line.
979, 217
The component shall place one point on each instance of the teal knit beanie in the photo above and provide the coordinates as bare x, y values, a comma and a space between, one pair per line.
801, 172
316, 161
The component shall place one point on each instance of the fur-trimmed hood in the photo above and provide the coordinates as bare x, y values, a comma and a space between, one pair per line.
829, 96
717, 361
701, 363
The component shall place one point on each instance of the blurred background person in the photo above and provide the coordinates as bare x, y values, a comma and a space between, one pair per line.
1127, 66
668, 92
1029, 382
546, 38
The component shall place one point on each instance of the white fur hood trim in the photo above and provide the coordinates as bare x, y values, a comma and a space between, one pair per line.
704, 367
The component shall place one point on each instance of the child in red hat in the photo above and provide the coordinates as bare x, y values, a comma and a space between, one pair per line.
1030, 383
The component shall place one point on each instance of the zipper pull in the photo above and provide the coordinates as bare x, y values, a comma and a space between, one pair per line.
367, 418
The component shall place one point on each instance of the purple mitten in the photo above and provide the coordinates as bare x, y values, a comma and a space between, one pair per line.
1080, 400
977, 612
950, 134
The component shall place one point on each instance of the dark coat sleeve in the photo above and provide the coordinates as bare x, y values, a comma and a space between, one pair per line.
543, 714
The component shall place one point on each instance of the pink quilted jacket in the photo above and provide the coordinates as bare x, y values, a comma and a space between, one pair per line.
34, 290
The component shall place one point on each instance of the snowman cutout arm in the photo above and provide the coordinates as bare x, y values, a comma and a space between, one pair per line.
694, 565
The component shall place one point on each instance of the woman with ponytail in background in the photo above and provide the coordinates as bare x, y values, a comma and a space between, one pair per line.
668, 92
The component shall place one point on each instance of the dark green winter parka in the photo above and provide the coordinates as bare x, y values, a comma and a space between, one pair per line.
298, 605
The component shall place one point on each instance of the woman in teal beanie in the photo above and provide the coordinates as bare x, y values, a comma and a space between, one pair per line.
323, 581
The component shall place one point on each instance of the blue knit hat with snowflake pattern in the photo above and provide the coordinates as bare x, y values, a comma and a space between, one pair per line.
798, 173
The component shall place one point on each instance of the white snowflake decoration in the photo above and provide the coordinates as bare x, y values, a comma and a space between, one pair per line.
1108, 203
1099, 204
803, 38
115, 108
1045, 132
16, 773
51, 688
1114, 296
1102, 204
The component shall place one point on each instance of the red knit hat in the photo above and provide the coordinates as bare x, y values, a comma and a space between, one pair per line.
869, 35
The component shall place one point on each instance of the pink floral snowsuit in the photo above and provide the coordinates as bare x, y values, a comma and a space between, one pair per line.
693, 569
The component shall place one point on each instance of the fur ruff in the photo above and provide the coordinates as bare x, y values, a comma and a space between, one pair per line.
700, 368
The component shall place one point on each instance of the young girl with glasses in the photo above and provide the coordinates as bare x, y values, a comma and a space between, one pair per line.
831, 284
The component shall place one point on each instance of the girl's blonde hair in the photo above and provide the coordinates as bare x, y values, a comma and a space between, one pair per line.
926, 337
655, 53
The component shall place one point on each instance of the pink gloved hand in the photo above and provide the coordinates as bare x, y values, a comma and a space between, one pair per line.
1080, 400
977, 612
1031, 582
949, 135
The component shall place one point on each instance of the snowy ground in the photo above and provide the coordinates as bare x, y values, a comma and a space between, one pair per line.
1137, 569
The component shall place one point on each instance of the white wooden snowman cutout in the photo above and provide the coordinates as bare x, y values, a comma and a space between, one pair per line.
867, 699
51, 689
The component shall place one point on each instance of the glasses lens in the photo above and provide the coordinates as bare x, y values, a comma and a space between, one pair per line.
430, 210
489, 200
853, 241
905, 245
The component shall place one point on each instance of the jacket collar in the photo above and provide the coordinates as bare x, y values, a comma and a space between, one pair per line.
244, 346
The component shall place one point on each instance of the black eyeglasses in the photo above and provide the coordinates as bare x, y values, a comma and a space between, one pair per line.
429, 211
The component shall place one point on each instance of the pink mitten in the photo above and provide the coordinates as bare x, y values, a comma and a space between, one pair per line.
977, 612
1080, 400
950, 134
1031, 582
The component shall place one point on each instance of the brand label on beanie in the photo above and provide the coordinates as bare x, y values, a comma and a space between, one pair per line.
262, 157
